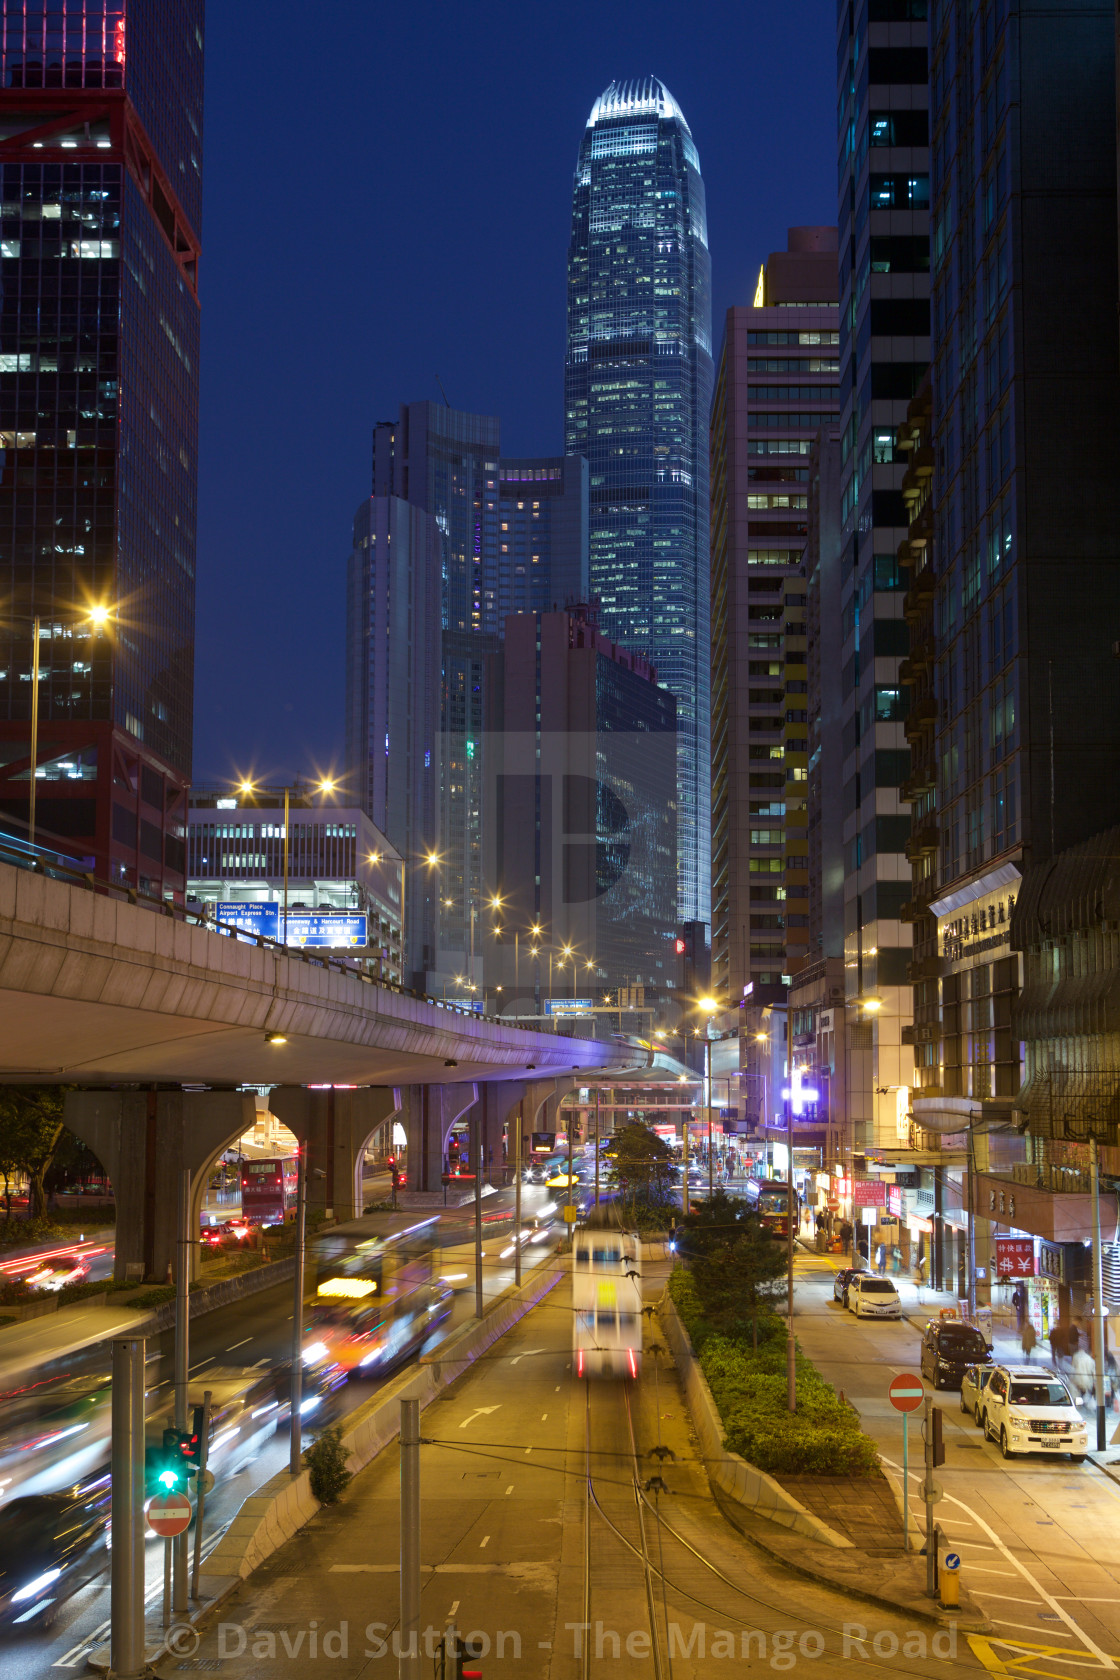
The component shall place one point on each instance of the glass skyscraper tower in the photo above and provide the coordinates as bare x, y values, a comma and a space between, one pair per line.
637, 390
100, 208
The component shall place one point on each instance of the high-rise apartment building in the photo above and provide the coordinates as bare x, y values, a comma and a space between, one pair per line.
775, 389
537, 532
637, 390
585, 830
883, 113
1025, 717
393, 735
100, 216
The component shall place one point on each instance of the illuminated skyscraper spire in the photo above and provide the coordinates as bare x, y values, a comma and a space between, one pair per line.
637, 389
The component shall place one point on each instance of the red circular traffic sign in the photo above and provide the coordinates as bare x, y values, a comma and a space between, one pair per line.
169, 1513
906, 1392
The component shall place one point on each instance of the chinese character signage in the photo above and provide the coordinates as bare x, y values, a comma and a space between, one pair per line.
1015, 1257
869, 1192
327, 929
568, 1006
894, 1200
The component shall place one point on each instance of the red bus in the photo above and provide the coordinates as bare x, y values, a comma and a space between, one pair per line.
268, 1189
770, 1199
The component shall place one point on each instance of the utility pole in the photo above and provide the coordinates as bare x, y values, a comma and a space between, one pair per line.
200, 1510
409, 1661
517, 1193
597, 1145
478, 1302
1098, 1291
180, 1544
791, 1351
708, 1099
126, 1564
295, 1448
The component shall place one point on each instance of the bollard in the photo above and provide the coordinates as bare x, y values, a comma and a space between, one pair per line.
950, 1574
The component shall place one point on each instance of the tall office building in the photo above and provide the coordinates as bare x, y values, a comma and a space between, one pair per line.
1026, 563
585, 829
393, 734
775, 389
883, 114
512, 537
637, 389
100, 211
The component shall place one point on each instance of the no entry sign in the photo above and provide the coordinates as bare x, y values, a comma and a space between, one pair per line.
169, 1514
906, 1392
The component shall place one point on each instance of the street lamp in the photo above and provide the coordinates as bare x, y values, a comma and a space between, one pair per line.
96, 617
326, 784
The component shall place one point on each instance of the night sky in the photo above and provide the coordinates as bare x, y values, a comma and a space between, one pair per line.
387, 200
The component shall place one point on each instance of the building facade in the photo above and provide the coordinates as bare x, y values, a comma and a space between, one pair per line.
339, 865
537, 532
393, 733
584, 821
883, 113
100, 206
637, 390
775, 388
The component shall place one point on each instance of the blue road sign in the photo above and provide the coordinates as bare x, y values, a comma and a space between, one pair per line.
262, 919
310, 927
952, 1560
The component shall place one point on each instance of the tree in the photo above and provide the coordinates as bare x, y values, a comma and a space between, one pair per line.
31, 1127
713, 1223
738, 1278
641, 1163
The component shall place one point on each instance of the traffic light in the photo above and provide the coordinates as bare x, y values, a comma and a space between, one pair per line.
178, 1458
452, 1659
938, 1438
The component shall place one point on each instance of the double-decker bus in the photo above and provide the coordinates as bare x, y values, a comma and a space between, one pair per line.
770, 1199
268, 1189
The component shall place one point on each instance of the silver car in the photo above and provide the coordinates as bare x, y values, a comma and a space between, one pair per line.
973, 1384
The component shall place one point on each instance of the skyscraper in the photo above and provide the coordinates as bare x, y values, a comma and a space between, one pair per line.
100, 201
637, 389
775, 388
883, 210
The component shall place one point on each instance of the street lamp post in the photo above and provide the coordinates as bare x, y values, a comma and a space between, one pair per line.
325, 785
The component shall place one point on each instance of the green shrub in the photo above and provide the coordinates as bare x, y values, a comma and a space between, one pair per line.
326, 1461
749, 1387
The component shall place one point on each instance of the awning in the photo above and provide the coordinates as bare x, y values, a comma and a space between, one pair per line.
1078, 889
1063, 1103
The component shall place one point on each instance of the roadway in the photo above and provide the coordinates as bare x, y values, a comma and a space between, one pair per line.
1039, 1539
536, 1520
251, 1334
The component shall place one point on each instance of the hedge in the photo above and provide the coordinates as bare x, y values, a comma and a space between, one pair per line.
749, 1387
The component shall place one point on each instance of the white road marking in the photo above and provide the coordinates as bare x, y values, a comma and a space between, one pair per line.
258, 1365
1086, 1639
202, 1362
528, 1449
544, 1417
1007, 1598
509, 1490
978, 1569
234, 1345
1031, 1627
527, 1354
480, 1411
485, 1541
454, 1607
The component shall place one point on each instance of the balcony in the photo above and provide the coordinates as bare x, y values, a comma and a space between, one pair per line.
922, 715
922, 842
920, 780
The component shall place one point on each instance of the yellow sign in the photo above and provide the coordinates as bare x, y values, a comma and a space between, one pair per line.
347, 1289
570, 1214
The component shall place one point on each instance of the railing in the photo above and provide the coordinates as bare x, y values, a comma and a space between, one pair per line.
58, 866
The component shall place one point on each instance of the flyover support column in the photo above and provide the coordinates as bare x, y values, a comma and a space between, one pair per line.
333, 1125
428, 1114
144, 1140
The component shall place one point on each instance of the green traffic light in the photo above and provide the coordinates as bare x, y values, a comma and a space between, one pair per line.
168, 1478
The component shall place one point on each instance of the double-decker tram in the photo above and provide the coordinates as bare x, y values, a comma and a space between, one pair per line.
606, 1303
770, 1199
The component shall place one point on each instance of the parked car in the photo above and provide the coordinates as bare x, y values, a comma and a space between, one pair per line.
50, 1545
973, 1383
840, 1283
873, 1297
948, 1349
1026, 1409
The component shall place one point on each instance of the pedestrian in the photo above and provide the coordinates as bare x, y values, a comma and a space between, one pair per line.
1019, 1302
881, 1259
1059, 1343
1028, 1340
1073, 1340
1083, 1373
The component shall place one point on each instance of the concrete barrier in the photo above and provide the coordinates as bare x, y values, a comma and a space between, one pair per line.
272, 1515
731, 1473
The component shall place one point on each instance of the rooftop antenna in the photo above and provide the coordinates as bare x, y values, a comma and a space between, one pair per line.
442, 392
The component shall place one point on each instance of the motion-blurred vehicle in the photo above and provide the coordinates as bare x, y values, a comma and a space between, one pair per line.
841, 1281
55, 1275
322, 1386
382, 1302
1029, 1410
50, 1545
973, 1383
606, 1303
949, 1348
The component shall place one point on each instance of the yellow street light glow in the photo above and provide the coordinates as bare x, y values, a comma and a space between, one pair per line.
275, 1038
431, 859
496, 902
327, 785
708, 1005
375, 857
99, 616
245, 787
535, 930
871, 1004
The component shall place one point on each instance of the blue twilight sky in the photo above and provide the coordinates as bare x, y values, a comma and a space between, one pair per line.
387, 199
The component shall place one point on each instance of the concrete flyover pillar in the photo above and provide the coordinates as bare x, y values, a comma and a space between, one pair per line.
334, 1125
428, 1114
144, 1139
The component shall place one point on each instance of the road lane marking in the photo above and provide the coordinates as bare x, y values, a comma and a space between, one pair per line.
509, 1490
454, 1607
528, 1449
527, 1354
485, 1541
234, 1345
1005, 1598
978, 1569
1086, 1639
1030, 1627
259, 1363
544, 1417
202, 1362
479, 1411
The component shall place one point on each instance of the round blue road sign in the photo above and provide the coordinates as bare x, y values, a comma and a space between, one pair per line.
952, 1560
